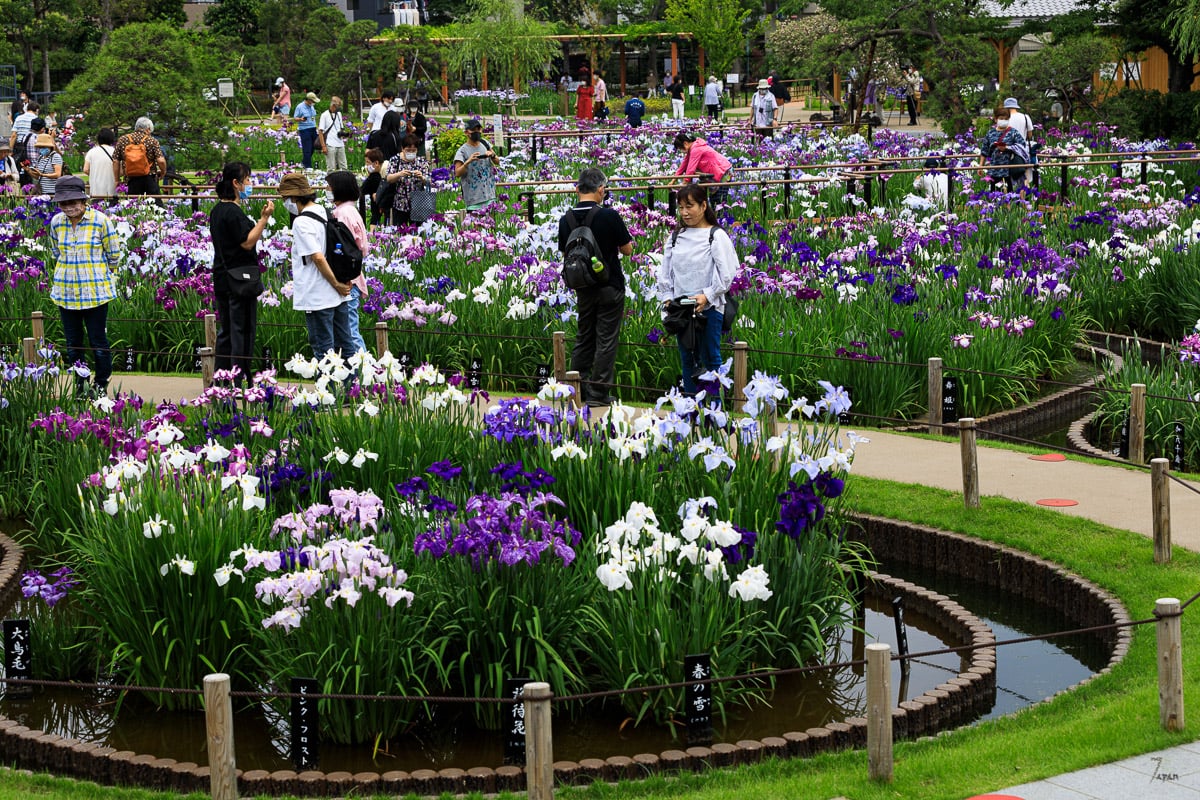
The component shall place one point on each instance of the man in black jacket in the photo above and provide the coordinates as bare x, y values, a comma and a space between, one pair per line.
601, 308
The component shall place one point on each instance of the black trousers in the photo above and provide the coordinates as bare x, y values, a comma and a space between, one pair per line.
238, 318
595, 354
911, 102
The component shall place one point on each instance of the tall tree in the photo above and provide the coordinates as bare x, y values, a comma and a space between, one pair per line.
234, 18
514, 45
717, 26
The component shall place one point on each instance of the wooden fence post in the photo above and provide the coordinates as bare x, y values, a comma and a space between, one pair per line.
539, 749
573, 380
210, 331
879, 712
741, 371
29, 350
381, 339
935, 395
208, 365
1160, 506
1170, 664
218, 717
1137, 423
970, 461
560, 355
38, 320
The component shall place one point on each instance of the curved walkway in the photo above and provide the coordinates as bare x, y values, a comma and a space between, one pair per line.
1115, 495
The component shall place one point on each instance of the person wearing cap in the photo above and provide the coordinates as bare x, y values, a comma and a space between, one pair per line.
1021, 122
330, 136
282, 99
10, 173
143, 135
764, 110
86, 249
306, 112
315, 289
46, 165
600, 308
475, 165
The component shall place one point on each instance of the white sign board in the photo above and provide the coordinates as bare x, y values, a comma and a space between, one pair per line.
224, 88
498, 130
732, 78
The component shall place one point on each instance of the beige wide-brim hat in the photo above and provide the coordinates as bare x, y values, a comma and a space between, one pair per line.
294, 184
44, 140
763, 84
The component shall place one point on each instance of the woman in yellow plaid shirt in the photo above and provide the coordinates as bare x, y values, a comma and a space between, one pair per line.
86, 250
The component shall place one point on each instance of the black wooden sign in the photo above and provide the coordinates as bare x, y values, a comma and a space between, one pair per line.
1177, 444
901, 630
17, 656
698, 698
475, 374
514, 722
129, 361
543, 373
950, 407
406, 359
268, 360
1122, 448
305, 724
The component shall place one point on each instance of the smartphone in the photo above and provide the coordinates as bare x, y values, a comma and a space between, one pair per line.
688, 301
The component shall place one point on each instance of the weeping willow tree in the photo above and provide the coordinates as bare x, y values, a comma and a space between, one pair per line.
497, 37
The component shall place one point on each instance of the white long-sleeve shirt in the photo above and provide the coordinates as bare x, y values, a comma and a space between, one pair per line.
691, 266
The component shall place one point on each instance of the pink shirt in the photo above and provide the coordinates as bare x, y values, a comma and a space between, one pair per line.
347, 214
285, 95
702, 158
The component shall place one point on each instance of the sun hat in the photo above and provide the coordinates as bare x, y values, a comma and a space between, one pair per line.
763, 84
44, 140
294, 184
712, 78
1011, 102
5, 146
279, 81
472, 124
312, 97
69, 188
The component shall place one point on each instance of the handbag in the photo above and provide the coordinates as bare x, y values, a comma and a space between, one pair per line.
245, 282
385, 195
422, 204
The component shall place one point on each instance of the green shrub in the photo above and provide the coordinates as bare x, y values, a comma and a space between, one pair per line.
1137, 113
448, 142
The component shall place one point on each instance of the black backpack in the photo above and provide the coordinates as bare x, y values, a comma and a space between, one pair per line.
342, 253
583, 268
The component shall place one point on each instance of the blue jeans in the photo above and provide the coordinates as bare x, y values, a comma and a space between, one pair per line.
95, 321
308, 138
352, 316
708, 348
329, 329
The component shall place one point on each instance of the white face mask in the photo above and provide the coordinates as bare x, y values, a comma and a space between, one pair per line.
1002, 123
291, 206
371, 167
409, 156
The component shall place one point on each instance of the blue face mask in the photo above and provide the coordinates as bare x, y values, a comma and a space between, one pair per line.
43, 151
244, 193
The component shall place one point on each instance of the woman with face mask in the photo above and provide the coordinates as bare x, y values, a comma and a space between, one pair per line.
366, 199
1002, 146
417, 126
408, 172
235, 241
47, 163
475, 165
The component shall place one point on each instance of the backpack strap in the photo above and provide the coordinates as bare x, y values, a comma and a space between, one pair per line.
311, 215
573, 219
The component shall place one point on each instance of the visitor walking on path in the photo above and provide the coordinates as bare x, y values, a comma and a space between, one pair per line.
330, 136
140, 158
98, 166
583, 100
712, 98
86, 250
599, 97
315, 289
764, 111
698, 264
281, 106
601, 308
344, 190
375, 115
676, 91
408, 173
1021, 122
235, 258
475, 165
306, 112
1002, 146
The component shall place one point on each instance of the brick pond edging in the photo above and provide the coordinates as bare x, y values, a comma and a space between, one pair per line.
952, 703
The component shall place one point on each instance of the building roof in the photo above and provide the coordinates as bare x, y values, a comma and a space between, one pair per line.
1032, 9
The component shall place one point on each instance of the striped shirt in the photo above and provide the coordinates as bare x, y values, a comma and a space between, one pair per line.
87, 255
46, 164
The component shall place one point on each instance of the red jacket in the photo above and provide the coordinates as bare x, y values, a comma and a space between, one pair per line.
702, 158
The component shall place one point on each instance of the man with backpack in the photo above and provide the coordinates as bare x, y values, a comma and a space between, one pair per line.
592, 239
140, 157
316, 289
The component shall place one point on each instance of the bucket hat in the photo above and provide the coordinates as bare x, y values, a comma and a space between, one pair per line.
1011, 102
294, 184
69, 188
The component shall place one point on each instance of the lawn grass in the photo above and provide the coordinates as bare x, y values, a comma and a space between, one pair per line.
1112, 717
